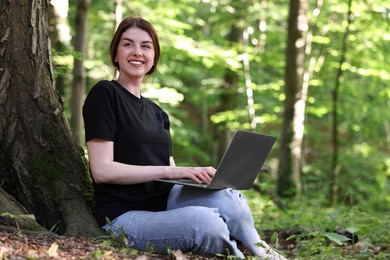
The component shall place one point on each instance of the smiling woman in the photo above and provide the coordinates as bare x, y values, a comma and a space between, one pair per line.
129, 146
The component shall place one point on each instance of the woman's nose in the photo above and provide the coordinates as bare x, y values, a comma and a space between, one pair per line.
137, 51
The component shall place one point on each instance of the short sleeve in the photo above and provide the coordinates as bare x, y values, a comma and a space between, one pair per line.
165, 118
99, 112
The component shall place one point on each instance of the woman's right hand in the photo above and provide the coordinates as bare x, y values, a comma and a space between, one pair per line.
198, 174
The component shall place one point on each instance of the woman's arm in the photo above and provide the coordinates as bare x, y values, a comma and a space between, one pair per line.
105, 170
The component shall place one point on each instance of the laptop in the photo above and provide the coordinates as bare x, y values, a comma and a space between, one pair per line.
240, 165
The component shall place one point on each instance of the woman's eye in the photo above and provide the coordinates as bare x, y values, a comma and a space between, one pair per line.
146, 46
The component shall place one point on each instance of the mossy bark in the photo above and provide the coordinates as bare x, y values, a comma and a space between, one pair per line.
42, 165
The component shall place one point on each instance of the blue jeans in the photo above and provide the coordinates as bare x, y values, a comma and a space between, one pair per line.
205, 222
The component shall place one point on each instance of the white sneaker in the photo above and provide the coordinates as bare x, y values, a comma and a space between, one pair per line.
270, 253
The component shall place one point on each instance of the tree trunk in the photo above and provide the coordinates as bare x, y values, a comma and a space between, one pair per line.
335, 94
42, 166
300, 107
300, 104
227, 100
79, 82
293, 82
248, 82
118, 12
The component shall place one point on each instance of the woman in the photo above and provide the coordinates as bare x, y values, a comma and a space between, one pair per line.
129, 146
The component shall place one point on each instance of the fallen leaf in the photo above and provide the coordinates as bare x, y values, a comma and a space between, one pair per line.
52, 252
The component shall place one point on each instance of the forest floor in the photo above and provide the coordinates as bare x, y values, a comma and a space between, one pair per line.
18, 246
22, 246
14, 245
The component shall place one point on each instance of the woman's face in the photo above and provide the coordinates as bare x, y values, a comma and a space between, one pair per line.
135, 53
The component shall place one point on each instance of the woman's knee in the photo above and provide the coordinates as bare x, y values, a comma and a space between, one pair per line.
233, 204
207, 219
211, 233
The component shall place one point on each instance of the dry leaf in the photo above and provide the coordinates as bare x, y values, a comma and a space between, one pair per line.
142, 257
52, 252
178, 255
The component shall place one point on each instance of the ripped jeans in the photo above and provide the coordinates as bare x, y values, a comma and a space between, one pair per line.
201, 221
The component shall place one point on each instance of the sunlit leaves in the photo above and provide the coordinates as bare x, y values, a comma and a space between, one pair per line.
197, 52
165, 95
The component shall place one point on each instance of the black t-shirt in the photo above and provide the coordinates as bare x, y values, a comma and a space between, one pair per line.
140, 132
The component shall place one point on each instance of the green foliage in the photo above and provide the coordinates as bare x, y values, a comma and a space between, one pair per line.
315, 243
316, 228
63, 61
116, 239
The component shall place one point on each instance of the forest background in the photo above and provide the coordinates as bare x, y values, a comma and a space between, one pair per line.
226, 65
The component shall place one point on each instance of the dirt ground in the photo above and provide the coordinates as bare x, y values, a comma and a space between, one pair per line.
16, 246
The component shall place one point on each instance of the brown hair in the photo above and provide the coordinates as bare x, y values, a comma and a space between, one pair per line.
141, 24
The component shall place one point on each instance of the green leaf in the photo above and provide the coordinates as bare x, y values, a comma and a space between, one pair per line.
365, 254
293, 237
18, 216
260, 245
339, 239
30, 216
7, 214
106, 244
274, 238
352, 230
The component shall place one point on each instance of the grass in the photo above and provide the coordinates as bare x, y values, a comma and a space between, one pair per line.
312, 230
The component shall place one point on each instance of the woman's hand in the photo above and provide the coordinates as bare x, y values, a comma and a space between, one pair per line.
198, 174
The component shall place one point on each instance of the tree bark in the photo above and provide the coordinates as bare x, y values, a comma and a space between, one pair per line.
293, 82
300, 104
118, 12
42, 166
79, 81
248, 82
335, 100
227, 101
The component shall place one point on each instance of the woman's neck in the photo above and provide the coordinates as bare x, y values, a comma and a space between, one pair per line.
133, 86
